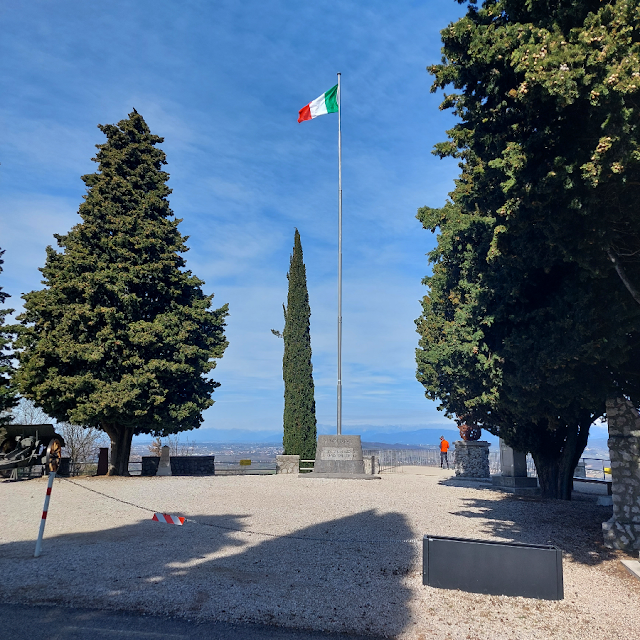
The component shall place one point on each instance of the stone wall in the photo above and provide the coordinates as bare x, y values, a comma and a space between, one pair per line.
622, 531
471, 459
181, 465
287, 464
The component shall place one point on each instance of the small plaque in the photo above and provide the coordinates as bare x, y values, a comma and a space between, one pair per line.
337, 453
245, 463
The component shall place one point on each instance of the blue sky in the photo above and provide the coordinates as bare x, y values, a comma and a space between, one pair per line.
223, 83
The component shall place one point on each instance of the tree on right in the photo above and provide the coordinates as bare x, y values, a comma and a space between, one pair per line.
532, 316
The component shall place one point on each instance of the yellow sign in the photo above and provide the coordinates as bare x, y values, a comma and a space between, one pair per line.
245, 463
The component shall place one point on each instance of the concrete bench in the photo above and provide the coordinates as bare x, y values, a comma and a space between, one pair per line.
594, 481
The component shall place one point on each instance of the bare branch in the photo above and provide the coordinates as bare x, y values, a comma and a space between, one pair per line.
623, 276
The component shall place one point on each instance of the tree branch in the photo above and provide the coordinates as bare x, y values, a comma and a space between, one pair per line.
623, 276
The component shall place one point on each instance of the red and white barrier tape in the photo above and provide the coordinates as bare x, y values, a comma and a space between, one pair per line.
168, 519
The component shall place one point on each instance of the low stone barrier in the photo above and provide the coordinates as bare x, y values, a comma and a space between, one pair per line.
287, 464
181, 465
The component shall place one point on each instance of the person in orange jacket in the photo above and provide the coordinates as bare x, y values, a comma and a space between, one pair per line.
444, 448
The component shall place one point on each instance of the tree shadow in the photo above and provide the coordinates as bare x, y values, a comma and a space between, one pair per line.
330, 575
573, 526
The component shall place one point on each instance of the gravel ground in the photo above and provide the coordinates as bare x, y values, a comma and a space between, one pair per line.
245, 558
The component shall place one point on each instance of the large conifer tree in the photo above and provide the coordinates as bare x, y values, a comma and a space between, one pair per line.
297, 371
121, 337
528, 325
8, 396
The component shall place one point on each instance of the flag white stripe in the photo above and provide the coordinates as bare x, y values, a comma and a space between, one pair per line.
318, 107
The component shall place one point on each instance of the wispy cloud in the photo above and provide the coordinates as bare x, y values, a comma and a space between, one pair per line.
222, 82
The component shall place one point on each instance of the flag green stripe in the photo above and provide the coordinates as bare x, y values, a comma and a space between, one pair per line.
331, 100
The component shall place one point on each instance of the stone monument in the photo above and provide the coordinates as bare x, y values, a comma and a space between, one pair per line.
513, 477
339, 457
622, 531
164, 467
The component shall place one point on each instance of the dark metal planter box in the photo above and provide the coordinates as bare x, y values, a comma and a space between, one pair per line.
495, 568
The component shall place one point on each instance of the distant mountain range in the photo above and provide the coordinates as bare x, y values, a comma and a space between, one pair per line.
419, 437
370, 436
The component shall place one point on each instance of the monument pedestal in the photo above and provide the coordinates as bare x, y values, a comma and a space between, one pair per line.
471, 459
339, 457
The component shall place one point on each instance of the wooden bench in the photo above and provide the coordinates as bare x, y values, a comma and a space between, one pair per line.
595, 481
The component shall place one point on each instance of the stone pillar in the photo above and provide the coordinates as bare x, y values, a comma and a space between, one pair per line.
287, 464
369, 464
622, 531
513, 471
512, 463
164, 468
471, 459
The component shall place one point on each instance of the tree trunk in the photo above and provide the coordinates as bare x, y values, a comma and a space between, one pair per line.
120, 448
555, 469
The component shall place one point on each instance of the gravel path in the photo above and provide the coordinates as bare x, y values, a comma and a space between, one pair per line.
245, 559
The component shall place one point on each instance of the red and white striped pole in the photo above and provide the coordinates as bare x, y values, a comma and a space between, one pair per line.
52, 475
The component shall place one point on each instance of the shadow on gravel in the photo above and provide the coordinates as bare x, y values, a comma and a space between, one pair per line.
342, 575
574, 527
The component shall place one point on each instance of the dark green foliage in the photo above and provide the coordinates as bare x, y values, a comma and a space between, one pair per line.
121, 337
8, 394
297, 371
528, 325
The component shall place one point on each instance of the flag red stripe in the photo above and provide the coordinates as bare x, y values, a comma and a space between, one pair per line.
167, 518
304, 114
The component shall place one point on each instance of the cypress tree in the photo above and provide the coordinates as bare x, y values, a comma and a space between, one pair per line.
297, 371
8, 395
122, 336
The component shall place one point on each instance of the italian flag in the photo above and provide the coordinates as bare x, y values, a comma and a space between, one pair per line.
326, 103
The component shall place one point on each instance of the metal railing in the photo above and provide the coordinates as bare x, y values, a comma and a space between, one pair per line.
595, 468
245, 466
392, 460
308, 465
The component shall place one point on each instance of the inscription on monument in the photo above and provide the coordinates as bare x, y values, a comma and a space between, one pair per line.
340, 455
336, 453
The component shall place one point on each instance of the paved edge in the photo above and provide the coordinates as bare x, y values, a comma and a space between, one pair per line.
633, 567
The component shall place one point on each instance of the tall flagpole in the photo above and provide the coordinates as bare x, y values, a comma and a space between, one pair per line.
339, 421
